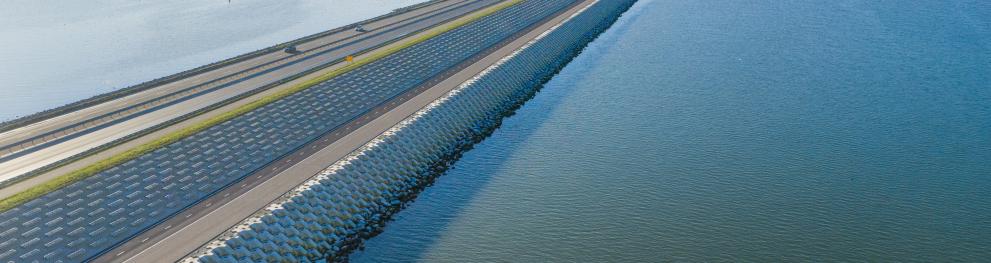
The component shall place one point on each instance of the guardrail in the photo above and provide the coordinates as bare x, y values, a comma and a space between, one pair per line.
16, 149
101, 98
35, 213
9, 202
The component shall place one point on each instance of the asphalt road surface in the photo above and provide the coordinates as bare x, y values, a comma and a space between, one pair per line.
180, 235
319, 53
78, 121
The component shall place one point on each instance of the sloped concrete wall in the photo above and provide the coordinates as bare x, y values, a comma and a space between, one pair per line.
348, 202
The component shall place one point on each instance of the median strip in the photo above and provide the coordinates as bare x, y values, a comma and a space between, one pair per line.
131, 154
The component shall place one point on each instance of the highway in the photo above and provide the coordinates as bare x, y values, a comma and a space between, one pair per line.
181, 235
164, 204
78, 121
261, 71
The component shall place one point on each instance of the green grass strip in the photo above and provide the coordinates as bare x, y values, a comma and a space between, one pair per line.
92, 169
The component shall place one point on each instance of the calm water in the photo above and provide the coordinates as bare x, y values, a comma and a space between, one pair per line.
753, 130
57, 52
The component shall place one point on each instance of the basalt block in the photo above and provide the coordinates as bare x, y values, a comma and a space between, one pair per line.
331, 214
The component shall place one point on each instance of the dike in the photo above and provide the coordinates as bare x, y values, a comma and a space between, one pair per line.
330, 215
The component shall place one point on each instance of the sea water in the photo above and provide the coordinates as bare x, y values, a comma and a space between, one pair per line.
56, 52
756, 130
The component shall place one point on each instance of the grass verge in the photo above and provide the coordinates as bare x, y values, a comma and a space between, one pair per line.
131, 154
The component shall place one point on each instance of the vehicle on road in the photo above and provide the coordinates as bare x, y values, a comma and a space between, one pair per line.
291, 49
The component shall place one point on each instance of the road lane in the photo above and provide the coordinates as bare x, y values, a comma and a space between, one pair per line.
117, 204
178, 236
72, 147
64, 121
72, 118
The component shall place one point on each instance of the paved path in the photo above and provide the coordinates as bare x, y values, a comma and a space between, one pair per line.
318, 54
97, 114
175, 238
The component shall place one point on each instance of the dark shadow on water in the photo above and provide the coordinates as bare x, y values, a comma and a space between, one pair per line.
434, 209
420, 225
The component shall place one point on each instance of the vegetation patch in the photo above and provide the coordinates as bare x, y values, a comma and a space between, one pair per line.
92, 169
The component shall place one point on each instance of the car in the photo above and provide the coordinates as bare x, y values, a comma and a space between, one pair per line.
291, 49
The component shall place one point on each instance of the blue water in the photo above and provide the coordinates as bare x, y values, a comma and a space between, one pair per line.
57, 52
735, 131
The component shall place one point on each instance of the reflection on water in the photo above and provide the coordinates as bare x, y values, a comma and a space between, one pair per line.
755, 131
57, 52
